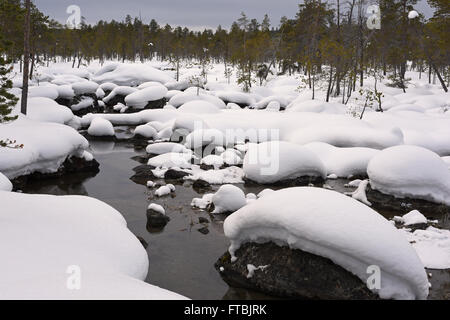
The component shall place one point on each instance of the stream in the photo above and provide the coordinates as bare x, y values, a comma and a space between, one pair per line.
181, 257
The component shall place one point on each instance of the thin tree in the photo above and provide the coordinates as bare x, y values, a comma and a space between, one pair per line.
26, 53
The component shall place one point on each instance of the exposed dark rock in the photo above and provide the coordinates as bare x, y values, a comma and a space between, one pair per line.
141, 159
203, 220
291, 274
298, 182
143, 242
206, 167
143, 174
156, 220
175, 175
203, 230
201, 185
72, 165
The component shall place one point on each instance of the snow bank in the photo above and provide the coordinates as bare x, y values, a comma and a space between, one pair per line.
85, 87
410, 171
44, 92
141, 98
101, 128
343, 162
270, 162
199, 107
69, 235
46, 109
331, 225
130, 74
228, 198
43, 152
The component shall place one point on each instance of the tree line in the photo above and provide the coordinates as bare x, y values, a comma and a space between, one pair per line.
327, 41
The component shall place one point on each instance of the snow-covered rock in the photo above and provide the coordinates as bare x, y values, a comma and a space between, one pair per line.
46, 110
141, 98
119, 91
130, 74
43, 152
85, 87
412, 218
101, 128
171, 160
204, 137
183, 97
68, 237
410, 171
166, 147
146, 131
198, 106
271, 162
228, 198
49, 92
331, 225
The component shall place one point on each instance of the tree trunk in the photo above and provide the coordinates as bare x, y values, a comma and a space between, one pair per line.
26, 58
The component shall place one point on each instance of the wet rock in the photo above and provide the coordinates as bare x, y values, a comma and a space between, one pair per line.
298, 182
70, 166
206, 167
201, 185
204, 231
175, 175
203, 220
143, 174
156, 220
291, 274
140, 159
143, 242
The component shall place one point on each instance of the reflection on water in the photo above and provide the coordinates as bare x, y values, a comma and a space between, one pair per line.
181, 258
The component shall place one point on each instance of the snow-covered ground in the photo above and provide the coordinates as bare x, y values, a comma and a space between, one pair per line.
271, 134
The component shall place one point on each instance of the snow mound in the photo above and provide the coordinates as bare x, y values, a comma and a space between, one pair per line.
85, 87
410, 171
228, 198
411, 218
331, 225
46, 110
171, 160
166, 147
43, 92
343, 162
141, 98
199, 107
204, 137
240, 98
5, 184
43, 152
317, 107
119, 91
101, 128
71, 235
183, 97
146, 131
130, 74
274, 161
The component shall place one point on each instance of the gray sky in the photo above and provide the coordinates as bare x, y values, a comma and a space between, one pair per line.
196, 14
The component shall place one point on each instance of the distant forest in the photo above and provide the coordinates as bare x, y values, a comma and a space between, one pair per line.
325, 40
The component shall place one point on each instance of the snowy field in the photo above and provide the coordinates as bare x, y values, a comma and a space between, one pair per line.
275, 137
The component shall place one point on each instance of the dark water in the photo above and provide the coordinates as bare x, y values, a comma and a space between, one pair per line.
181, 258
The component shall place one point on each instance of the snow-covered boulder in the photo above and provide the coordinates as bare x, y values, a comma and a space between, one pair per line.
199, 107
317, 106
43, 92
118, 93
239, 98
343, 162
145, 131
141, 98
45, 147
71, 236
183, 97
85, 87
5, 184
171, 160
228, 199
130, 74
204, 137
276, 161
47, 110
101, 128
412, 172
166, 147
315, 220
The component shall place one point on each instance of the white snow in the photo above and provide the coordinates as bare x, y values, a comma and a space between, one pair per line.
146, 131
101, 128
270, 162
213, 160
171, 160
119, 91
411, 218
67, 236
46, 109
228, 198
85, 102
43, 152
183, 97
141, 98
198, 106
5, 184
432, 246
166, 147
163, 191
360, 193
49, 92
130, 74
157, 208
329, 224
413, 14
251, 270
410, 171
85, 87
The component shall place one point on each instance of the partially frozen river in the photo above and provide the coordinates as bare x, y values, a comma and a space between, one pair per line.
181, 257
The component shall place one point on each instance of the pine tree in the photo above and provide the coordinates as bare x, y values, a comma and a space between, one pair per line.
7, 99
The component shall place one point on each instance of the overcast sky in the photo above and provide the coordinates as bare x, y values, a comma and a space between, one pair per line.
196, 14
